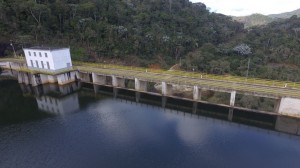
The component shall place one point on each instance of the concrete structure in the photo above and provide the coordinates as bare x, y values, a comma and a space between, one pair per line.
288, 99
47, 58
140, 85
117, 81
289, 106
166, 89
39, 79
196, 93
12, 65
285, 105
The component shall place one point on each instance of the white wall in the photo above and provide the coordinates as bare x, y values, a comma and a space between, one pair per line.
39, 58
290, 106
61, 58
57, 58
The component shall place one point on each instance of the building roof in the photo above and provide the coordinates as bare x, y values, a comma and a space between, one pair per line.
45, 48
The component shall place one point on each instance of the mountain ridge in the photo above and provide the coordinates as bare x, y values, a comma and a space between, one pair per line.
257, 19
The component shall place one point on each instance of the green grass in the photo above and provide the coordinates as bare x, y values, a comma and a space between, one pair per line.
229, 78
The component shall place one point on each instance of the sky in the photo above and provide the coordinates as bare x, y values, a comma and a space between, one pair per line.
248, 7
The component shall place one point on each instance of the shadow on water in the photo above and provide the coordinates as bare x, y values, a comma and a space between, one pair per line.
16, 108
23, 103
196, 109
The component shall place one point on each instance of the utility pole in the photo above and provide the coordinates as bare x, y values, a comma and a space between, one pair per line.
248, 68
180, 61
12, 45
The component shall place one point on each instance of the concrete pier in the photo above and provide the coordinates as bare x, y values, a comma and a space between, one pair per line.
232, 98
99, 79
140, 85
196, 93
118, 82
86, 77
32, 79
289, 106
67, 77
40, 79
166, 89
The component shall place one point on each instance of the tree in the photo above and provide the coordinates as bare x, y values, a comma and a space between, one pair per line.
242, 49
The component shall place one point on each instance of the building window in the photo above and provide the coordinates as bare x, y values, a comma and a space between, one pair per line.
40, 54
46, 55
29, 53
37, 64
32, 63
42, 64
34, 53
48, 65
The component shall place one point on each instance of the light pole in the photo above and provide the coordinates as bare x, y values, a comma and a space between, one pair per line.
248, 68
13, 48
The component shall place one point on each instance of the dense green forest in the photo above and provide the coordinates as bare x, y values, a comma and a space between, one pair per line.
156, 33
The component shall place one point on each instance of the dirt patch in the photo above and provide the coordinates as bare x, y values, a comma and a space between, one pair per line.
283, 65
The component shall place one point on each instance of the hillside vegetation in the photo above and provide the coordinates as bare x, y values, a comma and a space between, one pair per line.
254, 20
145, 32
273, 50
156, 33
286, 15
259, 19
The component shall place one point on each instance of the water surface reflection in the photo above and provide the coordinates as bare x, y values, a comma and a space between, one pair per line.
98, 130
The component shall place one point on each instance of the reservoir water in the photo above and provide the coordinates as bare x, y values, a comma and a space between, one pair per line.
73, 127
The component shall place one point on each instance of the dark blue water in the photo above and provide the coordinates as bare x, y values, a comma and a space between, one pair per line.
89, 130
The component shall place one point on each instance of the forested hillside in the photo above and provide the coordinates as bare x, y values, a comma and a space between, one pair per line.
274, 51
143, 31
156, 33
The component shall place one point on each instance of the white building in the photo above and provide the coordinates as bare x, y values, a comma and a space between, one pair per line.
48, 58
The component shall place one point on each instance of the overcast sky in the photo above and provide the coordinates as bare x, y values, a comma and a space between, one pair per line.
247, 7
